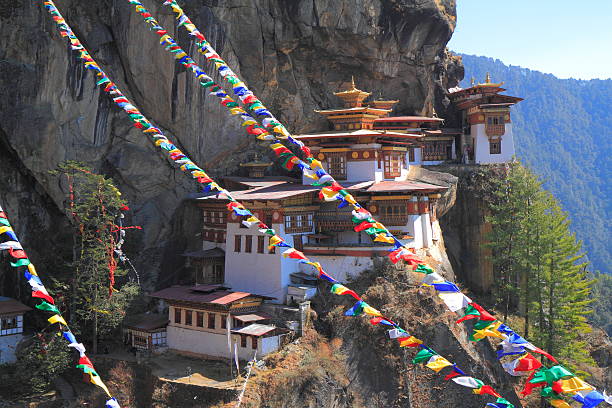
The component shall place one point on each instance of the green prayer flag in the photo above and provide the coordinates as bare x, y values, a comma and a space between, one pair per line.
481, 324
20, 262
538, 377
48, 307
4, 221
424, 269
548, 392
87, 369
556, 373
422, 356
207, 84
504, 401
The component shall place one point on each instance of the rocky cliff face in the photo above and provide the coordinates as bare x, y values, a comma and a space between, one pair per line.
293, 54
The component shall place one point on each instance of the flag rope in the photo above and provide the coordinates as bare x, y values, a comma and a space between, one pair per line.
336, 192
39, 291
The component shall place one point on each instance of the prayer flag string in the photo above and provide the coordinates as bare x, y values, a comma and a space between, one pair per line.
47, 304
436, 362
447, 291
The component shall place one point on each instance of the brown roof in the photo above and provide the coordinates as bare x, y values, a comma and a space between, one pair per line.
408, 119
12, 306
146, 322
360, 132
200, 294
406, 185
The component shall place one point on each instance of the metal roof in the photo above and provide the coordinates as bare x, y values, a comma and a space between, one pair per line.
12, 306
254, 329
198, 295
208, 253
408, 119
406, 185
251, 317
146, 322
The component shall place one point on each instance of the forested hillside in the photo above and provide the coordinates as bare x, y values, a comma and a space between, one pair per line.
562, 131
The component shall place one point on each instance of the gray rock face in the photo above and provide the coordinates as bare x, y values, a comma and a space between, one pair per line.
293, 54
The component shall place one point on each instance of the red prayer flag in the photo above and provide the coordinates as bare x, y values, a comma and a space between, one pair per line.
17, 253
528, 363
451, 375
542, 352
40, 295
85, 361
487, 389
530, 386
484, 315
557, 387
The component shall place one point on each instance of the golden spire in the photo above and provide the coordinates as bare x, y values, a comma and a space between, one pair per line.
488, 79
353, 82
352, 97
473, 81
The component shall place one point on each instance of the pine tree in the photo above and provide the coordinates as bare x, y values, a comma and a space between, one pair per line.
95, 304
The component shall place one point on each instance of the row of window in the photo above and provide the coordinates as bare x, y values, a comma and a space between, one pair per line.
196, 319
248, 244
392, 162
214, 217
243, 341
298, 223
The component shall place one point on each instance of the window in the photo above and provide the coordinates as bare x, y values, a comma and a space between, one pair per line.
243, 339
223, 321
200, 319
393, 213
495, 146
271, 250
9, 323
218, 273
177, 315
495, 120
393, 164
435, 151
298, 223
188, 314
237, 243
336, 165
254, 342
260, 244
411, 155
211, 320
248, 243
160, 338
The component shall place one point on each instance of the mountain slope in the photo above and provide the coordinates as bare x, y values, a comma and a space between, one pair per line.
562, 130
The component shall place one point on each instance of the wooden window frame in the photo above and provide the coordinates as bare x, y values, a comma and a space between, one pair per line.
261, 244
248, 244
243, 340
392, 164
237, 243
254, 341
199, 319
211, 323
495, 146
178, 315
224, 321
188, 317
411, 156
336, 165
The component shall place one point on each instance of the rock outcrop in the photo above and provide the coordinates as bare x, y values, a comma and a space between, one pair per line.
293, 55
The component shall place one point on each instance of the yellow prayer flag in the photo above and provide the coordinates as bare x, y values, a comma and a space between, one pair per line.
32, 270
384, 238
57, 319
489, 331
315, 164
559, 403
350, 199
237, 111
328, 193
198, 173
437, 363
95, 379
249, 122
273, 241
371, 311
574, 384
252, 219
410, 342
4, 229
164, 38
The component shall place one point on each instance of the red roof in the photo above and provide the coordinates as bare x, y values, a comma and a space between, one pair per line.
196, 295
408, 119
406, 185
12, 306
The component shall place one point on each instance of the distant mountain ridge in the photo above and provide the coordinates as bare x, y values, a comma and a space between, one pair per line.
563, 131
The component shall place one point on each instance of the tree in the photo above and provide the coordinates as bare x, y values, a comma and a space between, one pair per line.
95, 303
539, 264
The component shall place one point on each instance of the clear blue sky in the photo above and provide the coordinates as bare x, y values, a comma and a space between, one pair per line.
566, 38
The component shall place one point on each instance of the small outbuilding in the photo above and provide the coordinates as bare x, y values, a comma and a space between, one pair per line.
11, 327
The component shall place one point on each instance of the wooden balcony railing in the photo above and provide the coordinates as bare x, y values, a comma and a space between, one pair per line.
495, 130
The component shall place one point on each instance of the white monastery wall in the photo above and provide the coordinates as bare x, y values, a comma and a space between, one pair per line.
8, 346
481, 145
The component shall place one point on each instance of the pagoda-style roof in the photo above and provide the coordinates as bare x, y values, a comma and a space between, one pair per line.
365, 110
489, 101
352, 97
380, 104
361, 133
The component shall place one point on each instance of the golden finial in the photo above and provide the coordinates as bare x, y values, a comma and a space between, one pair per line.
353, 82
488, 79
473, 81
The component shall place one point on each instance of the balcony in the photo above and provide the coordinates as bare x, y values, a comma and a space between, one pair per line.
495, 130
393, 220
334, 221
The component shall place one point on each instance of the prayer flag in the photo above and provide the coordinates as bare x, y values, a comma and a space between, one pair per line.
112, 403
455, 373
445, 287
384, 238
48, 307
356, 310
57, 319
470, 313
381, 320
274, 240
422, 268
370, 310
559, 403
339, 289
42, 295
454, 300
527, 363
469, 382
484, 315
489, 331
69, 337
500, 403
573, 385
294, 254
396, 333
486, 389
95, 379
84, 360
422, 356
409, 341
437, 363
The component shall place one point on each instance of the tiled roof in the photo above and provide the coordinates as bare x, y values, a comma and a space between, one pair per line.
254, 329
406, 185
196, 295
12, 306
